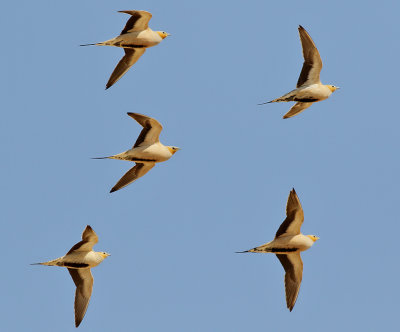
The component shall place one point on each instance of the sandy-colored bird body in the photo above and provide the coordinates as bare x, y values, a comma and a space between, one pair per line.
156, 152
309, 88
287, 245
307, 93
87, 259
79, 260
282, 244
135, 38
146, 152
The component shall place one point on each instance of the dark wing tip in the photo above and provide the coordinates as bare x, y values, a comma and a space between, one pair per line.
293, 191
112, 190
301, 28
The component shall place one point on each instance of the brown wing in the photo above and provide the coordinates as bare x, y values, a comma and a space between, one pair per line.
89, 239
151, 129
294, 216
133, 174
312, 61
128, 60
293, 266
83, 280
138, 21
296, 109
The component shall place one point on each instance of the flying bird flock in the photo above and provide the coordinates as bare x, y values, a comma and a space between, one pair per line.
288, 243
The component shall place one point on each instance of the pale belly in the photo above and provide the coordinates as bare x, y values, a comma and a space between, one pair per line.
153, 153
146, 38
286, 245
82, 260
315, 91
299, 242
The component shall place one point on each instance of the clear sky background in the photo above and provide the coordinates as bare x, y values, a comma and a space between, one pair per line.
173, 234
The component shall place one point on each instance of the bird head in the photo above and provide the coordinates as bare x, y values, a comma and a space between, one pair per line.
163, 34
104, 254
332, 88
313, 237
173, 149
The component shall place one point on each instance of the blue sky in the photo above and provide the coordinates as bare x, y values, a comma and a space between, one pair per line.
173, 233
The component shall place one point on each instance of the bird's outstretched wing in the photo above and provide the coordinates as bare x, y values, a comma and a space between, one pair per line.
133, 174
151, 129
293, 266
138, 21
296, 109
294, 216
83, 280
89, 239
312, 61
128, 60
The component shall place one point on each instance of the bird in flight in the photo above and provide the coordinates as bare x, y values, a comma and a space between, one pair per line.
135, 38
287, 245
146, 152
79, 260
309, 88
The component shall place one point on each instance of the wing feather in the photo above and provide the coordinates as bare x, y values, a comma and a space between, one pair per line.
293, 266
83, 280
131, 56
89, 239
151, 129
294, 217
312, 61
138, 21
133, 174
296, 109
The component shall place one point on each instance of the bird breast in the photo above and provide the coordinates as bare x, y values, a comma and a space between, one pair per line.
314, 91
145, 38
156, 152
91, 258
301, 242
